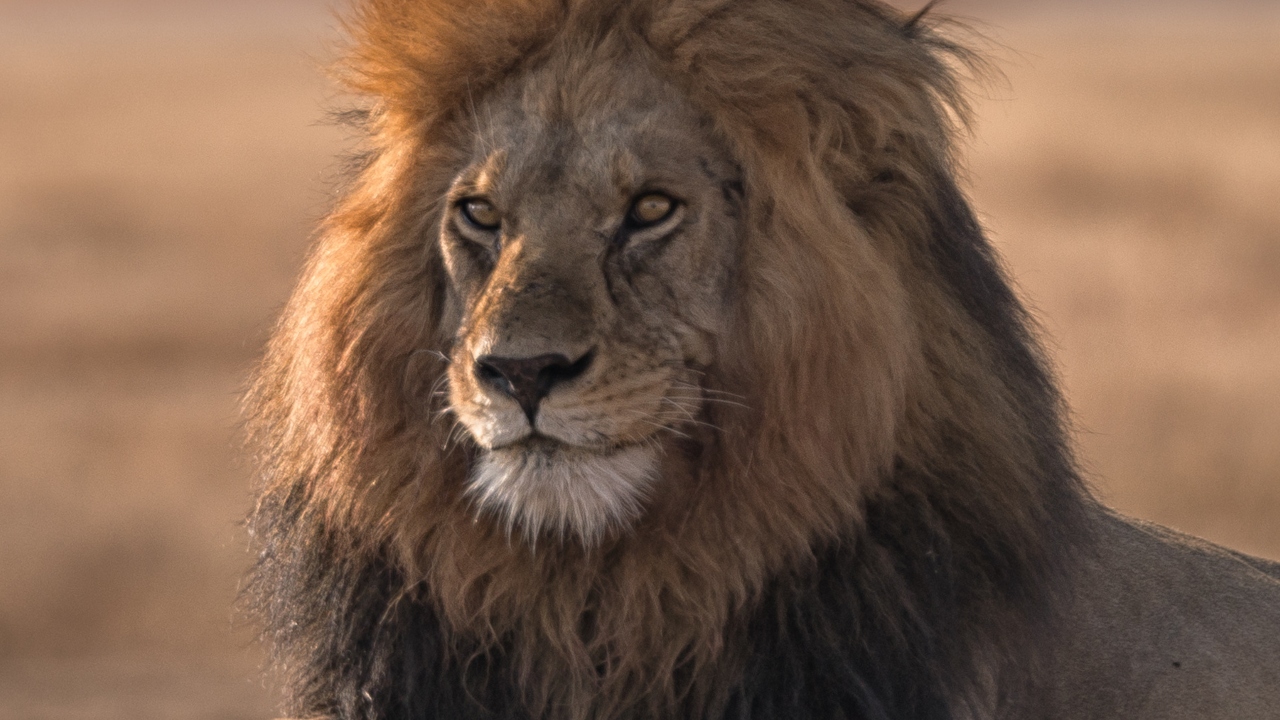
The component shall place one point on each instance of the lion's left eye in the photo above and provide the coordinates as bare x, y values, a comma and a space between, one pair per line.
650, 209
481, 213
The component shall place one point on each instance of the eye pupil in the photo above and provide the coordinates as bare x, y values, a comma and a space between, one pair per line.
651, 209
482, 214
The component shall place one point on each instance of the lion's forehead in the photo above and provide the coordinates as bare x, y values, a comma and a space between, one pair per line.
549, 136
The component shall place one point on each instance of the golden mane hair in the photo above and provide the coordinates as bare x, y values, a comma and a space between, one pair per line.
892, 505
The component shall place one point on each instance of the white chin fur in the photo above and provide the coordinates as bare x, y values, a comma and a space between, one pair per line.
564, 490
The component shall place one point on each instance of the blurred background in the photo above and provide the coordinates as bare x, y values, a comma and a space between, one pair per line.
162, 164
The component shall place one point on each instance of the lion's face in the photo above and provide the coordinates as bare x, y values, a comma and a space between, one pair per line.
589, 244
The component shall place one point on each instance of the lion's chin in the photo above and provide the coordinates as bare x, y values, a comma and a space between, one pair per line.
549, 488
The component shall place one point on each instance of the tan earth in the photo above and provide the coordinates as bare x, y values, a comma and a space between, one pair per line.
162, 164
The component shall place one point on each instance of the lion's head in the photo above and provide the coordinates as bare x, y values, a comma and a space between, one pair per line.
633, 309
589, 243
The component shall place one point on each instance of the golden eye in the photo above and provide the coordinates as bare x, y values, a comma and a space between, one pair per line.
651, 209
481, 213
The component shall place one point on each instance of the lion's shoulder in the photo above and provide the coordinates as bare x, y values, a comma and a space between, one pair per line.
1166, 625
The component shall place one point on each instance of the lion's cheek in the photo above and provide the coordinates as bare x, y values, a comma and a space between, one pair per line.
607, 416
593, 426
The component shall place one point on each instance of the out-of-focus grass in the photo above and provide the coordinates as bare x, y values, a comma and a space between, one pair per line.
159, 175
1131, 175
160, 172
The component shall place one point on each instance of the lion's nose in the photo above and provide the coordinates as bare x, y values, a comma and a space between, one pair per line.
529, 380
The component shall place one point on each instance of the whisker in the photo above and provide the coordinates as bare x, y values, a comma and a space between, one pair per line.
455, 437
717, 401
669, 429
705, 390
678, 406
438, 386
688, 421
433, 353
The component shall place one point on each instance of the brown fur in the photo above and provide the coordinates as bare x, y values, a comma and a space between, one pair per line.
876, 386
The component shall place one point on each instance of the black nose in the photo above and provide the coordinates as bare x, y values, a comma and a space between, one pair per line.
528, 380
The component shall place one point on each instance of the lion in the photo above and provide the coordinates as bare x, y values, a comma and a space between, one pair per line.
654, 365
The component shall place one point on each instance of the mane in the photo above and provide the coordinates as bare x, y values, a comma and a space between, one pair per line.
874, 532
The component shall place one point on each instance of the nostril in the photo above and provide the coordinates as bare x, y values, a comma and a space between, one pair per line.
486, 371
564, 371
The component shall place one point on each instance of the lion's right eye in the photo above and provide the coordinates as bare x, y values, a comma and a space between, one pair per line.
481, 214
650, 209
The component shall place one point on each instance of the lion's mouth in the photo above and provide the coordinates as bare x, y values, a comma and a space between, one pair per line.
541, 485
540, 443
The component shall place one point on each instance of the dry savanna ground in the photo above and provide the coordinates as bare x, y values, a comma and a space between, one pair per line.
162, 163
